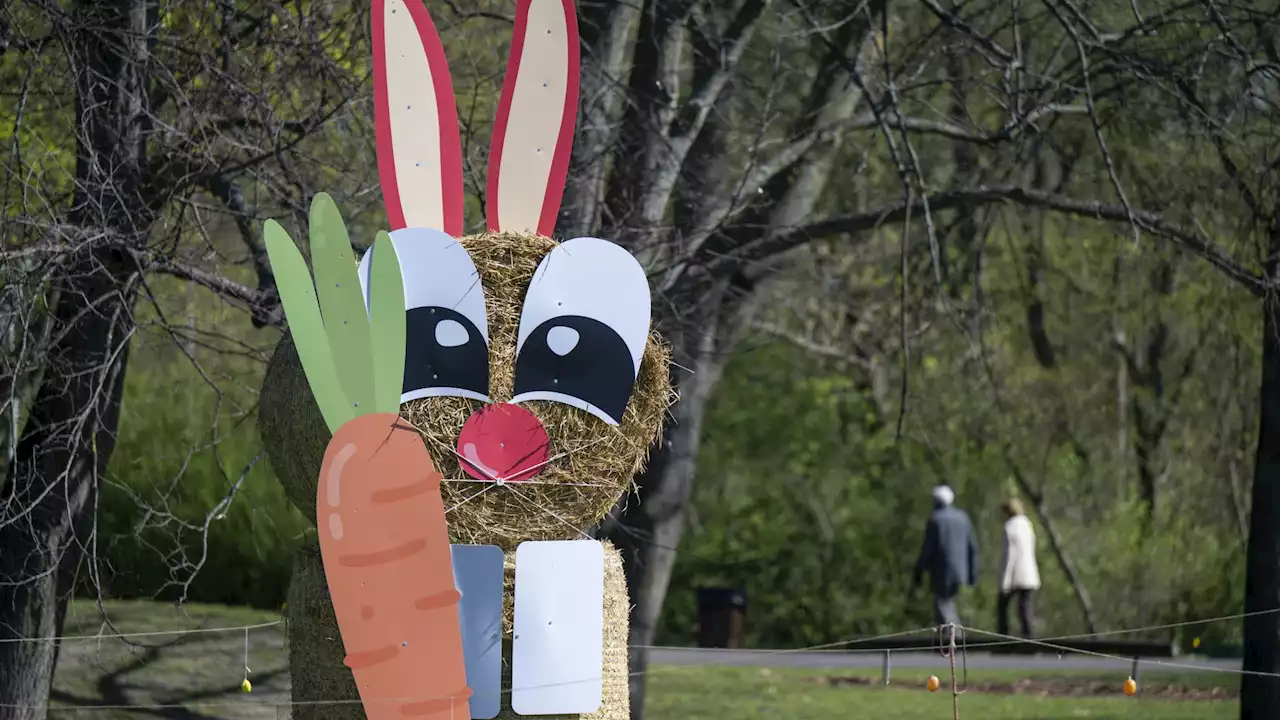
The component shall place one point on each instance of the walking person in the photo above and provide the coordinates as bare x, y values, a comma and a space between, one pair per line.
1020, 575
949, 555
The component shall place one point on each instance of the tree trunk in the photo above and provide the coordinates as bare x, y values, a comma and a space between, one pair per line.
648, 532
49, 512
607, 32
1260, 695
1059, 549
49, 517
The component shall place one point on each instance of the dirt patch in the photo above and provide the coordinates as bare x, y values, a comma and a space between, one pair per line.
1058, 686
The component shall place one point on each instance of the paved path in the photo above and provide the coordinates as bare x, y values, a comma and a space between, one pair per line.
923, 659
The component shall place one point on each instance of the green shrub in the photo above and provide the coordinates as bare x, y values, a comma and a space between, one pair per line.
190, 506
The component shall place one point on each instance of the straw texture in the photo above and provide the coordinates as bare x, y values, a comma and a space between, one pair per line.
593, 463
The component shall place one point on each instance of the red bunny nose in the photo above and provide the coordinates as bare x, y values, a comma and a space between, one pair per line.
503, 443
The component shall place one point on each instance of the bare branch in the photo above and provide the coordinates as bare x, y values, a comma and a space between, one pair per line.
1193, 241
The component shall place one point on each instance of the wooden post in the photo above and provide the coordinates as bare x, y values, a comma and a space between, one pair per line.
1134, 672
955, 691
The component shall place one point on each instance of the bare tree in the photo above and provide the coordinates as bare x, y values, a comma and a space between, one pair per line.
715, 139
158, 105
714, 212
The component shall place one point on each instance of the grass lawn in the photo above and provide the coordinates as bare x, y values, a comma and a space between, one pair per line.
713, 693
198, 675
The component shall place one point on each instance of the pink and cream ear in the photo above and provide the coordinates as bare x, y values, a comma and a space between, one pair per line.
416, 120
533, 133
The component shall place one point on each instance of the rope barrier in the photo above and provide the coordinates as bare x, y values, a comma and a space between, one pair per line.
948, 649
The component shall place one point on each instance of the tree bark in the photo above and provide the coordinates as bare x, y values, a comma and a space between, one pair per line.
648, 534
1260, 695
47, 519
1149, 409
714, 309
607, 30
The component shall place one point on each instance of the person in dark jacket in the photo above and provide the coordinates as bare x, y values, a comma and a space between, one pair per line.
949, 555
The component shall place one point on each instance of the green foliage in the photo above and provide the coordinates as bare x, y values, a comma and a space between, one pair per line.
190, 509
805, 501
188, 498
798, 504
808, 498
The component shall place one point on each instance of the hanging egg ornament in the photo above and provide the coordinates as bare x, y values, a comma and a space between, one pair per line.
1130, 687
246, 686
932, 683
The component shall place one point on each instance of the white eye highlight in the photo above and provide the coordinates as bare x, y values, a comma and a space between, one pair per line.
450, 333
562, 340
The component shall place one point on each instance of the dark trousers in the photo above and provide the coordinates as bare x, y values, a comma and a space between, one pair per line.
944, 607
1024, 611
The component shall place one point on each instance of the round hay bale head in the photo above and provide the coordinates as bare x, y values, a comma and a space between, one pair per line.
591, 464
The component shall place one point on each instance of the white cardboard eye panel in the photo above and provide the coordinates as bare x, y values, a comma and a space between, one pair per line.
593, 278
477, 572
436, 271
558, 642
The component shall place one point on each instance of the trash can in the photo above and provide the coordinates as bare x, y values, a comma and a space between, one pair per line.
721, 612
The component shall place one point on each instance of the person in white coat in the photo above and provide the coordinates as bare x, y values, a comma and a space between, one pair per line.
1020, 576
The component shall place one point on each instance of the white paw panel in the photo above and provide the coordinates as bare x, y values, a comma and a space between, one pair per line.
558, 642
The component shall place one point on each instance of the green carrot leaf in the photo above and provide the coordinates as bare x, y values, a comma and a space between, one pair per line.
346, 319
302, 310
386, 321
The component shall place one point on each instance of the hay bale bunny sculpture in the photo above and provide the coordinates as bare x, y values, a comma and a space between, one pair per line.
530, 373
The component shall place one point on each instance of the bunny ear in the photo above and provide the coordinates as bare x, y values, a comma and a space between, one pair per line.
416, 120
528, 159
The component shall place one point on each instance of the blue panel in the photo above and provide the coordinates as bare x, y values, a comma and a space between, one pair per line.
477, 571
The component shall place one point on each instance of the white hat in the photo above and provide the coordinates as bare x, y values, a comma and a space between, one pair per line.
943, 495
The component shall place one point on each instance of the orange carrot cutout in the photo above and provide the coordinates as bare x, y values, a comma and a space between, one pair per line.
383, 535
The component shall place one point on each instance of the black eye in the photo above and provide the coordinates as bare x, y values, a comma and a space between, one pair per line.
446, 340
583, 328
443, 350
579, 359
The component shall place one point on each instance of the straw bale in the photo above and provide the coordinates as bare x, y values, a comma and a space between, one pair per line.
292, 428
594, 463
316, 652
316, 672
